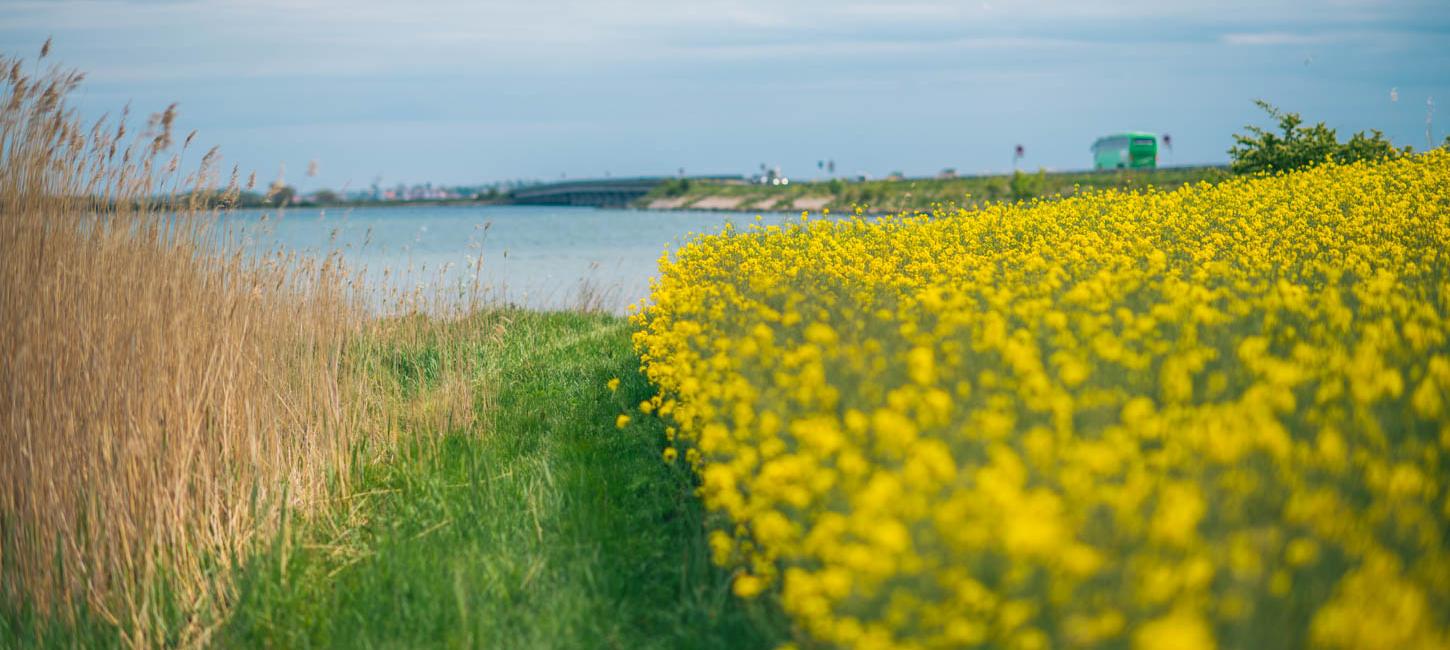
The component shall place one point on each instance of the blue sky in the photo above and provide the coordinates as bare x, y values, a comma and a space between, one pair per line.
476, 91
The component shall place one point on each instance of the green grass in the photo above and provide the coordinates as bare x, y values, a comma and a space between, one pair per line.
544, 527
23, 627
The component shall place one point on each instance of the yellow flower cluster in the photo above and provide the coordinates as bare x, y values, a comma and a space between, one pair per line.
1218, 416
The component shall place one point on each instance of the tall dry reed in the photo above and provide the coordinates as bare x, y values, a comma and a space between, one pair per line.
164, 398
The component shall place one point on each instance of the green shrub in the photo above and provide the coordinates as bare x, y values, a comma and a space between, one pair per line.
1026, 186
676, 187
1296, 145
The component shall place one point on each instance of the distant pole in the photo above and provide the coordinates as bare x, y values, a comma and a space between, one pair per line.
1429, 123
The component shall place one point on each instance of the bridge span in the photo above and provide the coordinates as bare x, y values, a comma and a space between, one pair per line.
597, 192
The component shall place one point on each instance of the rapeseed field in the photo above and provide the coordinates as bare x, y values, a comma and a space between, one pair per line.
1212, 417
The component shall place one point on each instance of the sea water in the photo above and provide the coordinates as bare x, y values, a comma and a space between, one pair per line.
540, 257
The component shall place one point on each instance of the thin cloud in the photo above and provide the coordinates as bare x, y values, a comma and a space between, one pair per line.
1274, 38
843, 49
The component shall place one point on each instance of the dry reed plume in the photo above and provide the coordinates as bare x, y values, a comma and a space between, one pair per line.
164, 399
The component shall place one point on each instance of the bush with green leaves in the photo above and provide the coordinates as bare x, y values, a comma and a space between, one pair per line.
1026, 186
1296, 145
676, 187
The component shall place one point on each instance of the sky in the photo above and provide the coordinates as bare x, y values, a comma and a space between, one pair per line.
473, 92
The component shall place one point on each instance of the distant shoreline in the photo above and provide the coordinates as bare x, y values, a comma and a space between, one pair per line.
843, 196
910, 194
375, 204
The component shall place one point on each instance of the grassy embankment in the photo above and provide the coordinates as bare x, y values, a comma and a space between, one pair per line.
914, 194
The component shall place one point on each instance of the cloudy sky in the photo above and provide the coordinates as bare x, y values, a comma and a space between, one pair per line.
455, 91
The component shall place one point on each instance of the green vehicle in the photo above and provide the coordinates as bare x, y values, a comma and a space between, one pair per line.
1126, 151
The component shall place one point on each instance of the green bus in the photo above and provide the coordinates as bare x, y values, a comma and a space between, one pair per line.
1126, 151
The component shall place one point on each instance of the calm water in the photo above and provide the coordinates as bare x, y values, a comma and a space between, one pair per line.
535, 256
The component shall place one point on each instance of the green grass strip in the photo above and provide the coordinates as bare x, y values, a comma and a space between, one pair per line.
547, 529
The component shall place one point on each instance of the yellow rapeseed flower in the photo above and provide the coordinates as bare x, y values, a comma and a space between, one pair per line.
1158, 419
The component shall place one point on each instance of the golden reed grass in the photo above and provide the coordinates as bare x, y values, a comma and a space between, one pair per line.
164, 398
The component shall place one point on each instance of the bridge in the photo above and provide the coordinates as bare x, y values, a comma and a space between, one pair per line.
597, 192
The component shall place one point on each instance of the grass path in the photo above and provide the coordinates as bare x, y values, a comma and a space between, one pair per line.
546, 528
